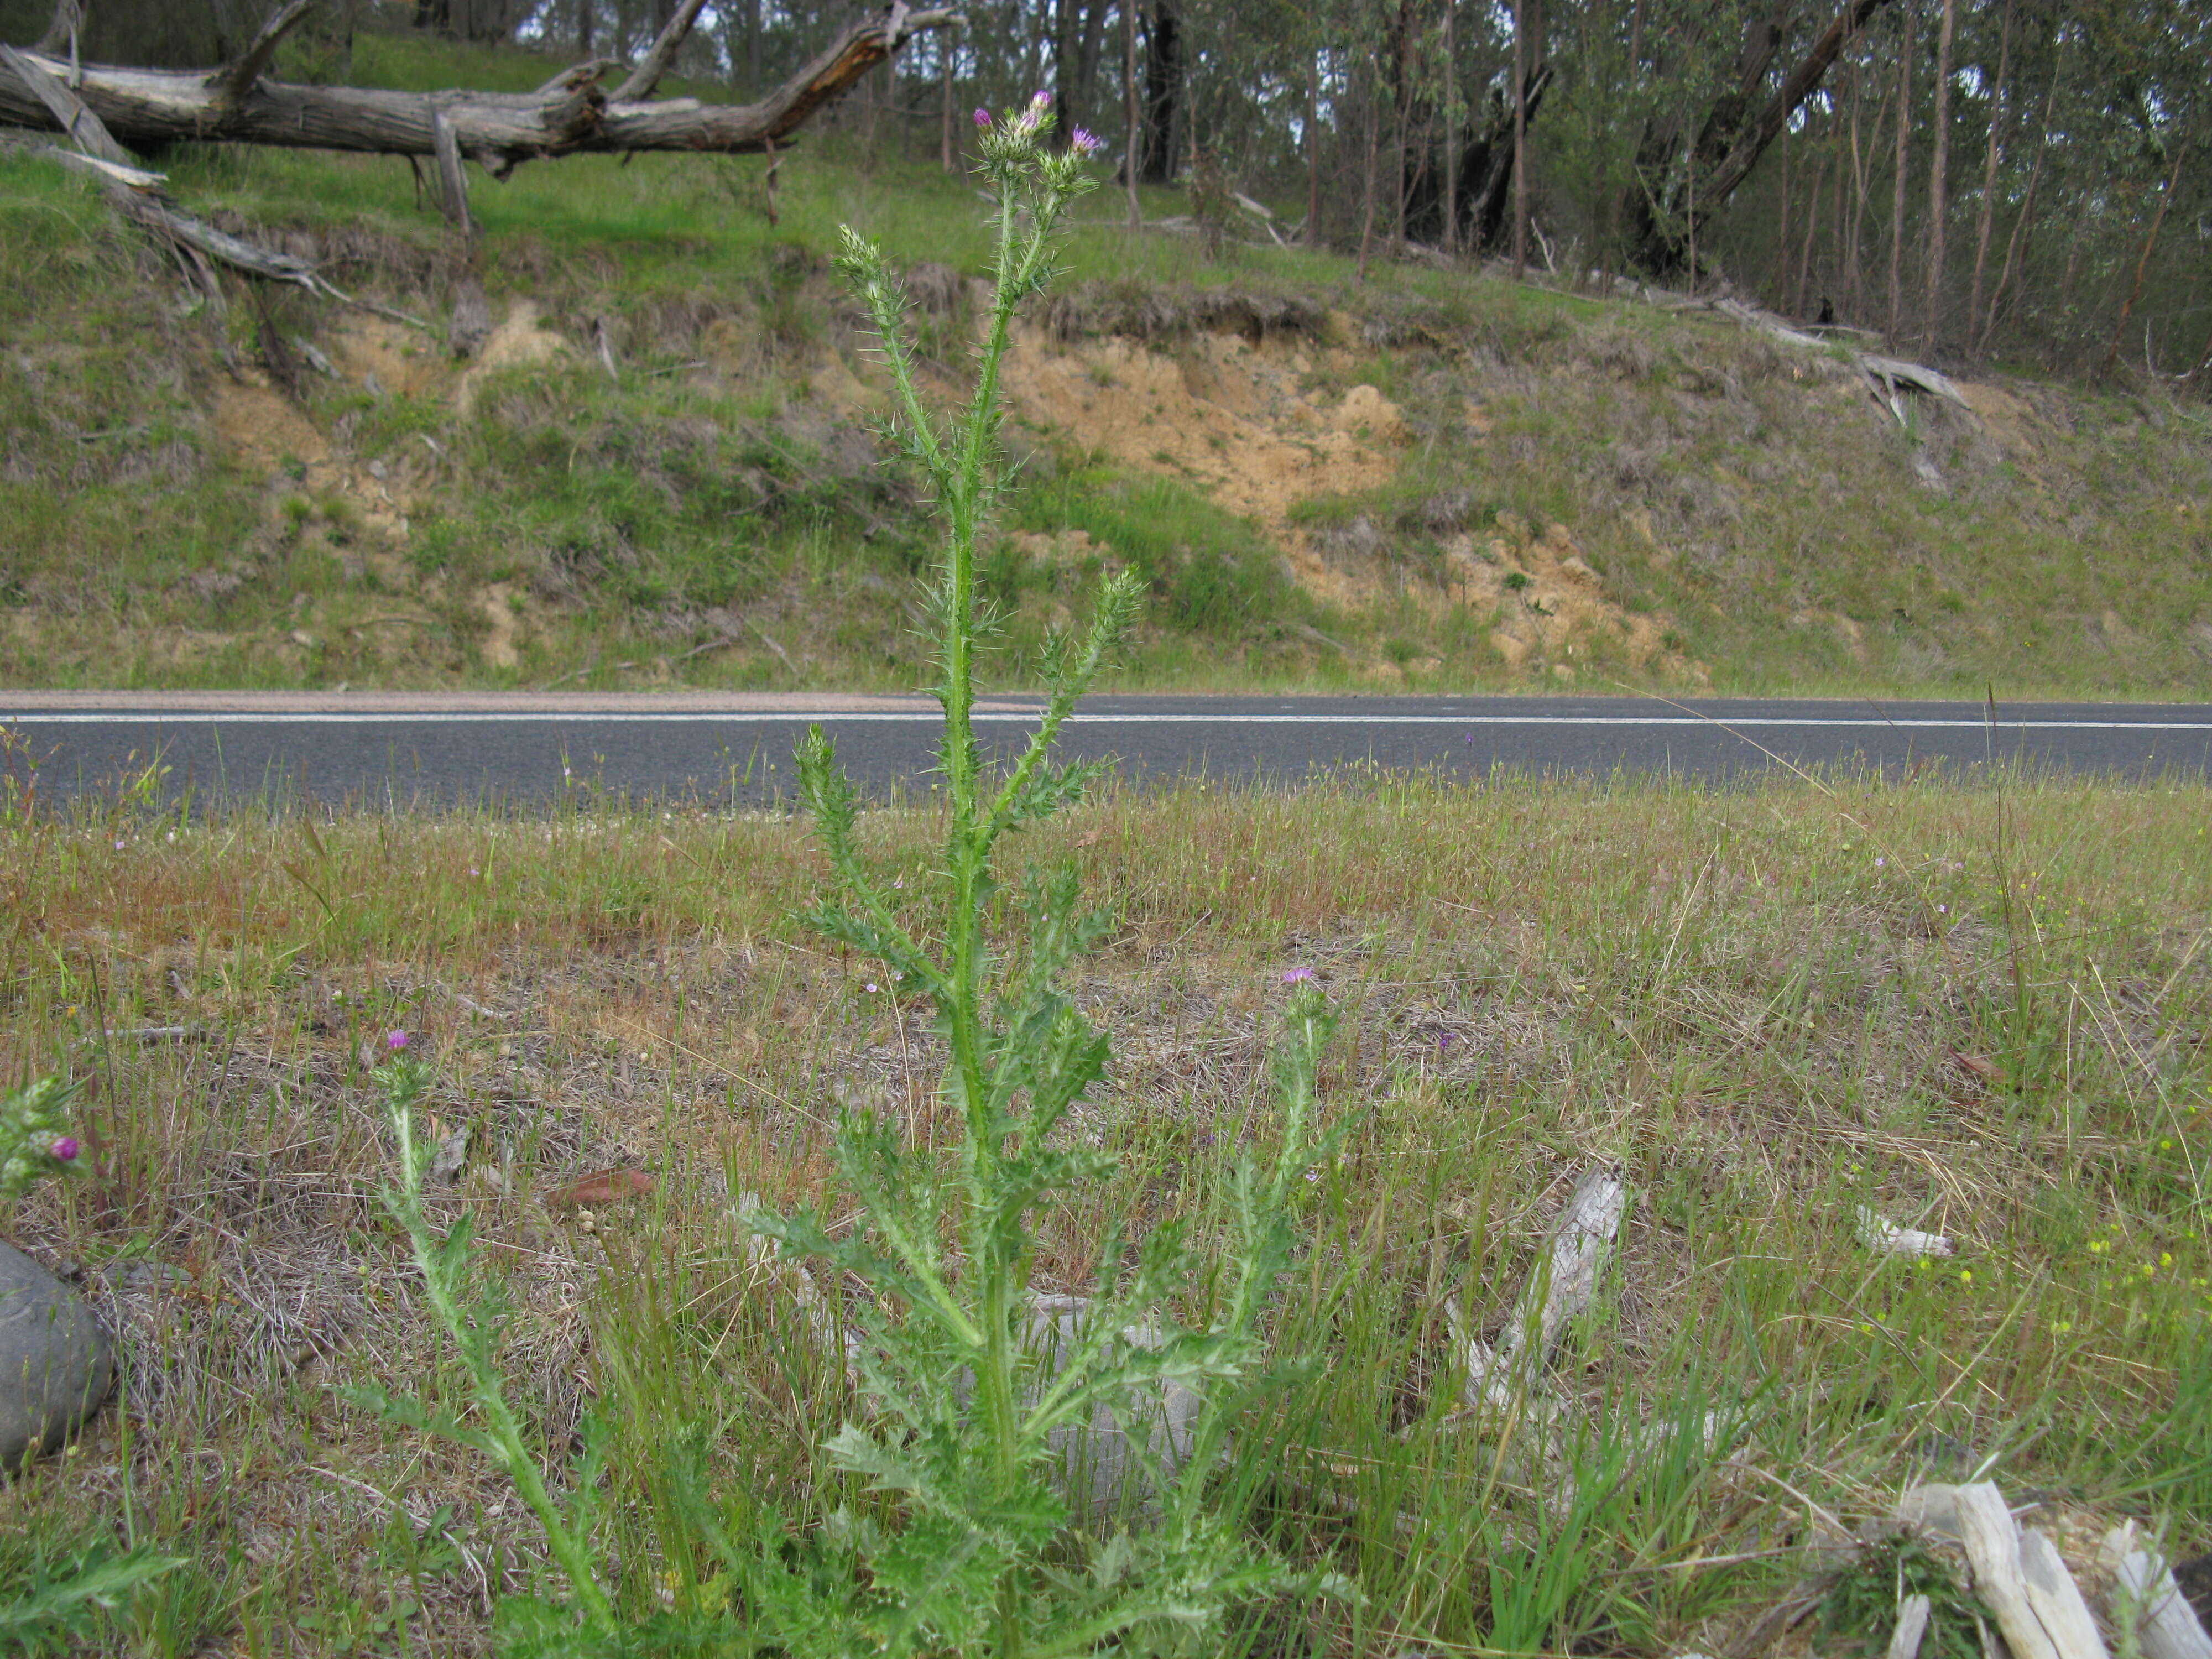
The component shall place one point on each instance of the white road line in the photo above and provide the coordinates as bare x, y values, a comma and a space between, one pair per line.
831, 717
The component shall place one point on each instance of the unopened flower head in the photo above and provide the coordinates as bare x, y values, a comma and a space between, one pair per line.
983, 117
65, 1149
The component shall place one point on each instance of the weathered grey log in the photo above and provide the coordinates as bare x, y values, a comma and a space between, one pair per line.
1560, 1287
1912, 1625
2145, 1600
56, 1366
145, 107
1884, 1236
1992, 1542
1104, 1465
2056, 1599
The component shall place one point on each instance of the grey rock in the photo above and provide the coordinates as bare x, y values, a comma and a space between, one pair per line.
56, 1365
1106, 1466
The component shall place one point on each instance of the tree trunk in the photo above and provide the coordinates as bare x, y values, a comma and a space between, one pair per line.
1313, 151
1132, 159
1896, 191
1939, 200
1451, 134
2020, 226
586, 14
2142, 261
1162, 93
1520, 145
1782, 232
570, 115
2000, 118
1367, 190
1064, 23
1812, 226
1401, 97
1089, 54
944, 104
1729, 140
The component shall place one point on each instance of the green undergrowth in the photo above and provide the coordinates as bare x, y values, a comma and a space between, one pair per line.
1975, 1005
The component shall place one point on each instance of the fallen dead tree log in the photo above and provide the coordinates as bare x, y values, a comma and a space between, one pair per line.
571, 114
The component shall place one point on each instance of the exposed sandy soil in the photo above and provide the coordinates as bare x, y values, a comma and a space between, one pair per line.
516, 340
1556, 613
1229, 417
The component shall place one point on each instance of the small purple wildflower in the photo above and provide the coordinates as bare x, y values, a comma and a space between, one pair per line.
872, 988
1444, 1040
1084, 141
1878, 863
119, 846
65, 1148
1942, 909
1040, 98
1313, 1175
395, 1041
983, 117
1296, 975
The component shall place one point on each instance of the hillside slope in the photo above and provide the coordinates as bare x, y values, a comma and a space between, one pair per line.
1431, 479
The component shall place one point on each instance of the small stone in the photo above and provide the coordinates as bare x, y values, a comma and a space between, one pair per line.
56, 1365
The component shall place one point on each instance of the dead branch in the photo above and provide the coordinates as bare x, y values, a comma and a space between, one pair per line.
570, 115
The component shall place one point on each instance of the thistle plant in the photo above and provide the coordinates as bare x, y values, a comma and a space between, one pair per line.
977, 1541
976, 1550
34, 1138
474, 1318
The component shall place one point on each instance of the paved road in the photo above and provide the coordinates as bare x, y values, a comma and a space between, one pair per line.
408, 747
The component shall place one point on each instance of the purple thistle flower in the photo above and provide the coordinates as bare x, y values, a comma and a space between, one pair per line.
1041, 99
395, 1041
65, 1148
983, 117
1444, 1040
1296, 975
1085, 143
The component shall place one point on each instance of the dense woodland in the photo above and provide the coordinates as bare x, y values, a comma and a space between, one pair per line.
2027, 181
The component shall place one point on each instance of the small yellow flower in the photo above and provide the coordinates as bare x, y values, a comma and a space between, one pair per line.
1966, 1276
2059, 1328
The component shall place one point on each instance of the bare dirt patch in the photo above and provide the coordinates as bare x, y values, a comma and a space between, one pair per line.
1553, 608
1230, 418
518, 339
397, 357
263, 431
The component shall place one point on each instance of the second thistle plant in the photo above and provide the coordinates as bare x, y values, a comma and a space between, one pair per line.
975, 1557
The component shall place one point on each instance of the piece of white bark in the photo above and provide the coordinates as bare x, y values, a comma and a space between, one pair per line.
1885, 1238
2143, 1595
1992, 1542
2057, 1600
1560, 1287
1912, 1625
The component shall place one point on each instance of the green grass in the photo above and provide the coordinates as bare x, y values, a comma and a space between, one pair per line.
1752, 1000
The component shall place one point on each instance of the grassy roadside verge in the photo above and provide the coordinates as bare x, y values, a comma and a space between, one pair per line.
1978, 1006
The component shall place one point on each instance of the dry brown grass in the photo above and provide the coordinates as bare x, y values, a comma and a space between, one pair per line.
1758, 1001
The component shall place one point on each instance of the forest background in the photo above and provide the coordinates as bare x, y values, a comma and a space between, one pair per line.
1974, 178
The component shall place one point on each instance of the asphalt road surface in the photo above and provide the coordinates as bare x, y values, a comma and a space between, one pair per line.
524, 751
